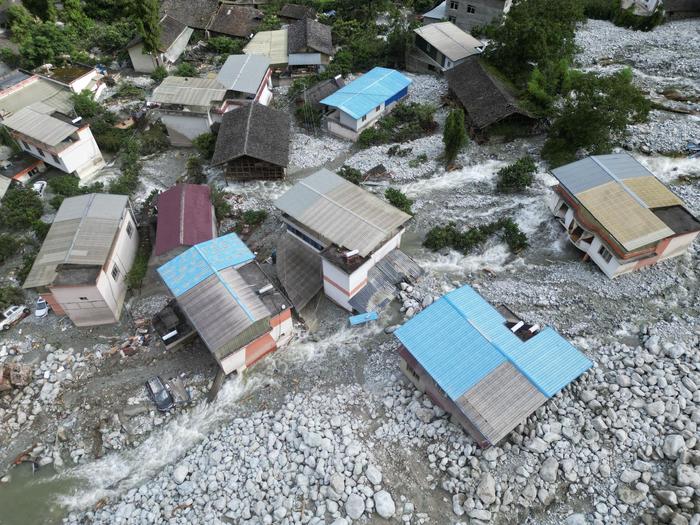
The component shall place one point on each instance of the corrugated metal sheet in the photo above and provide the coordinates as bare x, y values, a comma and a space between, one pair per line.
271, 44
438, 12
500, 402
372, 89
450, 40
341, 212
243, 73
188, 91
459, 338
82, 233
299, 270
40, 90
190, 268
185, 217
653, 192
35, 122
595, 170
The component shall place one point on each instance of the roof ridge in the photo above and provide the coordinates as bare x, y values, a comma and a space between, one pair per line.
247, 129
451, 37
240, 71
182, 213
624, 186
91, 199
389, 72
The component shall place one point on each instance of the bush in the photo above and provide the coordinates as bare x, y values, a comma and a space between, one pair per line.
441, 237
405, 122
225, 45
126, 90
10, 295
222, 208
21, 206
399, 200
514, 238
308, 117
41, 229
254, 217
351, 174
154, 139
185, 69
27, 263
420, 159
128, 181
8, 246
138, 271
159, 74
517, 176
455, 135
373, 137
85, 104
68, 186
205, 144
195, 170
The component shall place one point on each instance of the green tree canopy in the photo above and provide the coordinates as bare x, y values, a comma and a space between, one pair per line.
147, 19
455, 135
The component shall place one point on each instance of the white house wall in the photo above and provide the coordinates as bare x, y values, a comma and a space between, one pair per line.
83, 82
141, 62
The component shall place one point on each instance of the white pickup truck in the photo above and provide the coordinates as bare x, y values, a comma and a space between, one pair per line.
12, 315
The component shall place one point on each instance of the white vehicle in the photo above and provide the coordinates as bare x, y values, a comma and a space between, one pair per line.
42, 308
13, 315
39, 187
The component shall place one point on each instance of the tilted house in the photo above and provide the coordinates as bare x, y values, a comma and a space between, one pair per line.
188, 107
642, 7
253, 143
468, 14
442, 46
355, 235
246, 78
82, 265
483, 365
56, 139
185, 217
193, 13
359, 104
486, 101
619, 214
234, 20
310, 45
293, 12
174, 36
229, 301
272, 45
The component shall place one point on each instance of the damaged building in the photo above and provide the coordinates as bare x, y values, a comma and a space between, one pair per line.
344, 240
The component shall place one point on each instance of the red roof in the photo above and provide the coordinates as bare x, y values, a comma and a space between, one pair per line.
184, 217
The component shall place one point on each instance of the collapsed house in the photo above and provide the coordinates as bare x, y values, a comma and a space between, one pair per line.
485, 366
441, 46
485, 99
185, 218
174, 37
361, 103
193, 13
81, 267
253, 143
619, 214
56, 139
641, 7
236, 21
468, 14
343, 239
246, 78
229, 301
310, 45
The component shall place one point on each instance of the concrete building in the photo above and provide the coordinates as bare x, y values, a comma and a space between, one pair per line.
246, 78
174, 36
188, 107
253, 143
467, 14
229, 300
310, 46
359, 104
619, 214
486, 367
58, 140
343, 239
82, 265
441, 46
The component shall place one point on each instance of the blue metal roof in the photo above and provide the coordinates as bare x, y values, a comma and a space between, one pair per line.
372, 89
203, 260
461, 338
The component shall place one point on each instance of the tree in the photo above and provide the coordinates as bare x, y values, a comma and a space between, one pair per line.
517, 176
147, 20
45, 44
74, 15
398, 42
21, 206
455, 135
205, 144
44, 9
399, 200
595, 114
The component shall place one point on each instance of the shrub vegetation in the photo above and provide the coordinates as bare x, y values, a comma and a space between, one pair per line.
517, 176
399, 200
449, 236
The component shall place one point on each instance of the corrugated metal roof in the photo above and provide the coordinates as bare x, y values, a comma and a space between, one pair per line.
35, 121
437, 12
299, 270
203, 260
620, 194
39, 90
450, 40
365, 93
185, 217
271, 44
243, 73
188, 91
341, 212
82, 233
461, 338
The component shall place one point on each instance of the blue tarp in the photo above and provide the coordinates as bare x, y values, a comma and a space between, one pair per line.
363, 318
461, 338
374, 88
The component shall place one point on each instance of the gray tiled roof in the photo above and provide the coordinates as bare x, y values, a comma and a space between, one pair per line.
308, 33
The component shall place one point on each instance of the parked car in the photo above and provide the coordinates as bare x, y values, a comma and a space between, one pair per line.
13, 315
42, 308
159, 394
39, 187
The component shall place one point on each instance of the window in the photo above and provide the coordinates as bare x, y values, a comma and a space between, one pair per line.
55, 157
452, 19
412, 373
83, 298
129, 230
364, 117
605, 254
41, 152
454, 4
115, 272
378, 108
26, 146
471, 9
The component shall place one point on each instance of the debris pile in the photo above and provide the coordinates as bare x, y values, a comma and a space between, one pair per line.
14, 375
